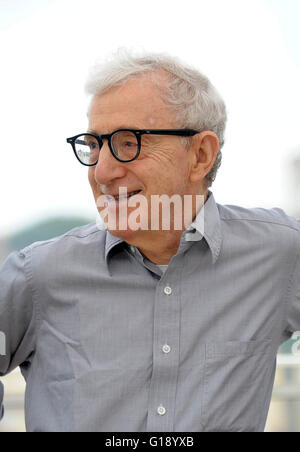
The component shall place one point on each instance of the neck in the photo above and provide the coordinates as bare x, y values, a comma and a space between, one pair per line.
160, 246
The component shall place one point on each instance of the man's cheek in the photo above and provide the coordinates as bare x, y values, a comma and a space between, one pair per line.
91, 178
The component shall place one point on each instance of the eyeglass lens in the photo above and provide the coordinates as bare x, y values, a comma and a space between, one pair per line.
124, 145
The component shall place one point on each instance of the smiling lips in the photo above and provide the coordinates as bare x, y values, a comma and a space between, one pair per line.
123, 196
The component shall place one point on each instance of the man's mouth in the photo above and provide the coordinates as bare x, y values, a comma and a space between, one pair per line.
123, 196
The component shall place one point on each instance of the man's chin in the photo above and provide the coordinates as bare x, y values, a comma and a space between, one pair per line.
125, 234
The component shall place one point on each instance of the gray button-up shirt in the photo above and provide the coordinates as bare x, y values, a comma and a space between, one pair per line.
107, 341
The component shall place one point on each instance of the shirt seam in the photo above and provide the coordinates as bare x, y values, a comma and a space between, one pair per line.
30, 280
81, 236
55, 240
261, 221
288, 303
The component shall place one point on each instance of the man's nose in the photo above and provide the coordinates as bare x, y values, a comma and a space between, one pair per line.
108, 167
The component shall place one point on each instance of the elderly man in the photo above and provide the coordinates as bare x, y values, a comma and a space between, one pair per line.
144, 324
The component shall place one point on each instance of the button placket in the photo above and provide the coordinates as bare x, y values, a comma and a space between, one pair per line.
165, 358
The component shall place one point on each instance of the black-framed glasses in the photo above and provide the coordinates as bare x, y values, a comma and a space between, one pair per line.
124, 144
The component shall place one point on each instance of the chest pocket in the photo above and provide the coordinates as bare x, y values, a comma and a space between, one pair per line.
235, 378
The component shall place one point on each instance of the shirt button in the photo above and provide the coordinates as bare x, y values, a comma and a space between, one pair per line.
167, 290
166, 348
161, 410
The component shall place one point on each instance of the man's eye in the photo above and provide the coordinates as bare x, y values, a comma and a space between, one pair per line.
93, 146
130, 143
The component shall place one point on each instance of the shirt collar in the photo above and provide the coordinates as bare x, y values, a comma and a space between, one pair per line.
206, 225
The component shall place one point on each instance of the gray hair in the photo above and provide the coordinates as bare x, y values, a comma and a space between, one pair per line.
195, 100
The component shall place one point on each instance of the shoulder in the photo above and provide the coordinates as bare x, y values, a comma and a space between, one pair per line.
275, 216
268, 226
68, 246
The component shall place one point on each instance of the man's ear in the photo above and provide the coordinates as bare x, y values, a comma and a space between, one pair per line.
205, 147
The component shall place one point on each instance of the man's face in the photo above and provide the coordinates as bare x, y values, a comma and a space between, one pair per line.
163, 165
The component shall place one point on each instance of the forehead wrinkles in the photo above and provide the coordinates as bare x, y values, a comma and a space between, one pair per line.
139, 98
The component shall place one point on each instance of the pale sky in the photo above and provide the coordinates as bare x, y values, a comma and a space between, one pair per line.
250, 49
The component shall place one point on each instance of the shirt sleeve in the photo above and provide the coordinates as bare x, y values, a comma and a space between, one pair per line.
17, 315
293, 319
1, 401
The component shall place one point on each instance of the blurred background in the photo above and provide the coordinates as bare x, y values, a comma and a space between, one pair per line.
250, 49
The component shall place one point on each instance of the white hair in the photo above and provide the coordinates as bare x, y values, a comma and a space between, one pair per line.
190, 93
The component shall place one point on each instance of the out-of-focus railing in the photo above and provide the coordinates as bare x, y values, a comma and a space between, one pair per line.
14, 389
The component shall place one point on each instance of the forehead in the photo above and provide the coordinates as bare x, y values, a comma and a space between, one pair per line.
137, 103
